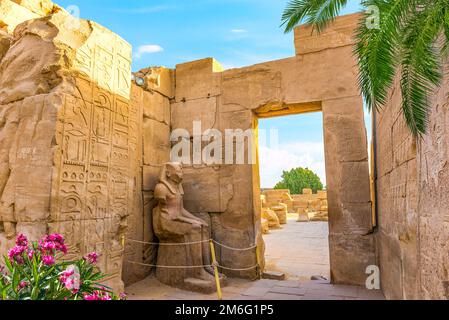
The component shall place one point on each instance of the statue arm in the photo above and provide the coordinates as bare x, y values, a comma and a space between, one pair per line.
188, 215
160, 194
188, 220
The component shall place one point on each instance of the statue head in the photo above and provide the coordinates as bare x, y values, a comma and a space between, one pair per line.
172, 172
171, 176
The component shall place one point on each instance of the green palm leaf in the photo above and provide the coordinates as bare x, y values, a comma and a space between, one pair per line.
421, 70
406, 40
318, 13
377, 49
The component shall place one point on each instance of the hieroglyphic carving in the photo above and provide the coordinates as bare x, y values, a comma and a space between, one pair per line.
106, 59
93, 191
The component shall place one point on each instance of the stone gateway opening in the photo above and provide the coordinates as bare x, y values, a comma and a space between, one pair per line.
294, 197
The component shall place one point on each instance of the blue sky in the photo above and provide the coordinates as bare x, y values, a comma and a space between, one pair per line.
235, 32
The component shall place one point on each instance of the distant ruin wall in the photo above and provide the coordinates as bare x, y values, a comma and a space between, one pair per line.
412, 187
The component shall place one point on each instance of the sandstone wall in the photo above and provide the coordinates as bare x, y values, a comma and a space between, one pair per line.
411, 191
397, 201
152, 99
433, 208
69, 138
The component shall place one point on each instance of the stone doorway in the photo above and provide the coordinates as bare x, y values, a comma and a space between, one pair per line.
294, 218
347, 173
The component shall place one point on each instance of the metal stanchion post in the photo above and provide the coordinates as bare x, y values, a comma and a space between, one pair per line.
217, 276
258, 262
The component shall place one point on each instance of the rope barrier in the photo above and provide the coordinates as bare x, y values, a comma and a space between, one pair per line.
192, 243
239, 269
169, 267
234, 249
191, 267
215, 265
168, 244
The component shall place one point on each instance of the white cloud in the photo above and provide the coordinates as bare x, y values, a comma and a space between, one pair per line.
239, 31
275, 160
149, 48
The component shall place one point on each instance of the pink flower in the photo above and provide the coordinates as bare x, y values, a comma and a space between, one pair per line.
48, 260
98, 295
122, 296
92, 297
30, 253
23, 284
70, 279
106, 297
56, 238
15, 254
48, 246
22, 241
52, 243
92, 257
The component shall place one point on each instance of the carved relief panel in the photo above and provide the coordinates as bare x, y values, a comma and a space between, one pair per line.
94, 183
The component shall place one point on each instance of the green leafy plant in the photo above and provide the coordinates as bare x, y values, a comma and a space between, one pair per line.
411, 39
298, 179
32, 272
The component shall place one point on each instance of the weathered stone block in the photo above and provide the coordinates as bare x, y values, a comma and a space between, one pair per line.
354, 183
29, 68
156, 142
344, 126
250, 88
12, 14
150, 177
204, 111
158, 79
341, 34
350, 255
198, 79
5, 43
156, 107
281, 212
202, 190
40, 7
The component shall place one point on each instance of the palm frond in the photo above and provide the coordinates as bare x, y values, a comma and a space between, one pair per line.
377, 49
318, 13
445, 48
421, 63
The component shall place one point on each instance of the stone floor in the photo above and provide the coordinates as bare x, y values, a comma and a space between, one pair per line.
151, 289
299, 249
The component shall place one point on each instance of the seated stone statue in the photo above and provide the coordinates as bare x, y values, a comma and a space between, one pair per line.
175, 227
